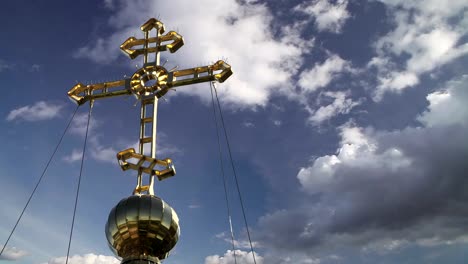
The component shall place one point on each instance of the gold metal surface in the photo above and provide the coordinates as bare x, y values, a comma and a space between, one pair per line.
142, 225
177, 42
81, 93
149, 83
157, 75
165, 80
145, 164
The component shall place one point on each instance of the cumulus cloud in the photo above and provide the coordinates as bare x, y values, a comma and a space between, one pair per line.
105, 154
447, 106
265, 56
12, 253
341, 104
242, 257
74, 156
426, 35
322, 74
95, 149
241, 31
37, 112
384, 190
328, 15
319, 78
80, 121
238, 243
85, 259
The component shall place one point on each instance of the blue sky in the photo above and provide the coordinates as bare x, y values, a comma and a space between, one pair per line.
347, 121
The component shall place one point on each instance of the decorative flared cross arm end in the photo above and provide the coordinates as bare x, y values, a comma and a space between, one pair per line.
224, 71
81, 93
171, 42
151, 24
75, 93
137, 84
218, 71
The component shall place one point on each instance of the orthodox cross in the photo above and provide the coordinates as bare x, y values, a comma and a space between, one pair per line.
148, 84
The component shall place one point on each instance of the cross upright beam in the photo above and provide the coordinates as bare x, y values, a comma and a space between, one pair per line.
148, 84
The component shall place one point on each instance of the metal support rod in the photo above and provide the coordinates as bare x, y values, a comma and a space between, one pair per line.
145, 60
155, 105
141, 145
145, 102
154, 126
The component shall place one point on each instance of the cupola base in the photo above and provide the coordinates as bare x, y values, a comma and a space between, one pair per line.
141, 260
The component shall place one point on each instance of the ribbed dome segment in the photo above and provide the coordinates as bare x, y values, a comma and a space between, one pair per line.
142, 226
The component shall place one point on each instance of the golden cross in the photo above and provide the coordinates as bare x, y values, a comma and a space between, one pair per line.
148, 84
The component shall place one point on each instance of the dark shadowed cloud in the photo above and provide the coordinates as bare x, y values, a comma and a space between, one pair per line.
385, 189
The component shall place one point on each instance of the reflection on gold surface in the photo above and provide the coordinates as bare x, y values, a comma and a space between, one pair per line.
148, 84
142, 226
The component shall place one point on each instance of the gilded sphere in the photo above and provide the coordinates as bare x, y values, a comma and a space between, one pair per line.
142, 226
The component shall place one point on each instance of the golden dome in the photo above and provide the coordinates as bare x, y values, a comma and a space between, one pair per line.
142, 226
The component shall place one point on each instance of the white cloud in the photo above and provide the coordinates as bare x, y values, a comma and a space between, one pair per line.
262, 62
341, 104
322, 74
329, 15
36, 112
248, 124
358, 150
427, 35
12, 253
4, 65
35, 68
85, 259
383, 190
96, 150
319, 77
238, 243
167, 150
448, 106
385, 245
95, 147
396, 81
80, 122
105, 154
74, 156
242, 257
444, 8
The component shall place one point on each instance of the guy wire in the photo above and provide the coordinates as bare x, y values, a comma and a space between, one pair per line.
235, 173
40, 179
79, 179
223, 175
